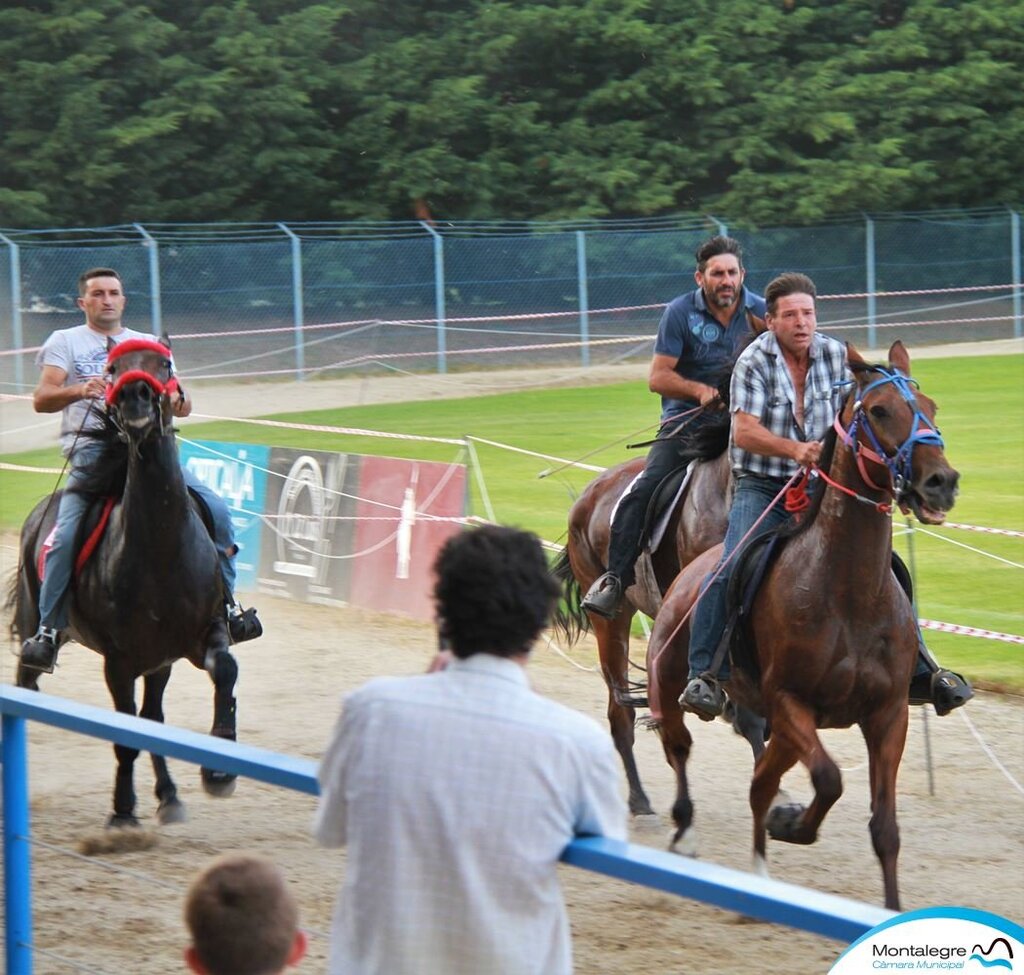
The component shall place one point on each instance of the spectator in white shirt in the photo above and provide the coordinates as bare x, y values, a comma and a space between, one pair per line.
457, 791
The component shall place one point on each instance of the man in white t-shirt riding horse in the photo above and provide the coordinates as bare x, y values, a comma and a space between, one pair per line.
73, 382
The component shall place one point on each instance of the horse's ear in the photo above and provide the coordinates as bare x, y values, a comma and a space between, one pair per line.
165, 340
110, 344
899, 357
853, 357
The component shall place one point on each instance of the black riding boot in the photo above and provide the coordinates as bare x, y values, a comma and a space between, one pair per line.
39, 652
243, 624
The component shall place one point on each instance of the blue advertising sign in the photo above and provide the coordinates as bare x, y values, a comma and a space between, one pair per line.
238, 473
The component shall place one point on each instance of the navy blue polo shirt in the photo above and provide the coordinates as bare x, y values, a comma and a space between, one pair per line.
702, 348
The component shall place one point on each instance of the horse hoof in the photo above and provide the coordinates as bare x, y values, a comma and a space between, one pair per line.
123, 821
171, 811
641, 807
686, 844
218, 784
784, 823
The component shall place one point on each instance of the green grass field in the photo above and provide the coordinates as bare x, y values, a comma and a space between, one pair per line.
959, 576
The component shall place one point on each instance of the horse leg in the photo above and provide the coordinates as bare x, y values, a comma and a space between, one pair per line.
748, 725
122, 690
794, 738
223, 671
667, 670
885, 740
676, 742
170, 809
613, 650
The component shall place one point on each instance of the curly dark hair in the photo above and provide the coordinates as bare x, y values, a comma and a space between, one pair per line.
494, 591
716, 246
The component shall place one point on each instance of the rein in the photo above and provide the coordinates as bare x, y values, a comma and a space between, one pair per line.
797, 498
899, 463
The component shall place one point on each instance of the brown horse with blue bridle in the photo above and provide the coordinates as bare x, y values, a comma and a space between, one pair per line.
830, 640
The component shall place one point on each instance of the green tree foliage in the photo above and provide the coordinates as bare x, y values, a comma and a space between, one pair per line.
761, 110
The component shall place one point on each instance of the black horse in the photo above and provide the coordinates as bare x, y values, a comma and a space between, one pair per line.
151, 592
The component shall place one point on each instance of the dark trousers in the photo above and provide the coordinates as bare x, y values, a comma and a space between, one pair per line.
665, 456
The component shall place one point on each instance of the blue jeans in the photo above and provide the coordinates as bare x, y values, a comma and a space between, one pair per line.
60, 559
752, 497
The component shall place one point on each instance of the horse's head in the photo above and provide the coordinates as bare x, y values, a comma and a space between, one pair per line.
141, 379
893, 426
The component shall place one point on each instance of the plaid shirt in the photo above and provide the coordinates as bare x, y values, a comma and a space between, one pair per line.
762, 386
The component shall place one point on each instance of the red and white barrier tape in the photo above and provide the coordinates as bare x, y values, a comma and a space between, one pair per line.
921, 291
970, 631
987, 531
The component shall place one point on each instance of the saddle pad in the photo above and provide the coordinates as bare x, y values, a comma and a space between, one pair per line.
43, 549
661, 521
87, 548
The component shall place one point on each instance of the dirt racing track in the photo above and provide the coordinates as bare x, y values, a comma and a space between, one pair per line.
963, 845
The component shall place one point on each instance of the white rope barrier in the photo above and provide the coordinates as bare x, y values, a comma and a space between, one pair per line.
969, 548
322, 428
993, 758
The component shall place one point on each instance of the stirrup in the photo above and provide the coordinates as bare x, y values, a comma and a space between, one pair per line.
243, 624
604, 596
950, 691
39, 652
704, 697
943, 689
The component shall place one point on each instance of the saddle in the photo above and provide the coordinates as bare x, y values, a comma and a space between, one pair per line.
667, 495
94, 524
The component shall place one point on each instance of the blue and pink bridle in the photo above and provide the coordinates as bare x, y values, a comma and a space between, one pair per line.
898, 464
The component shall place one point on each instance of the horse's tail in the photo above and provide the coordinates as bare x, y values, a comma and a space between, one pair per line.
21, 595
11, 600
569, 619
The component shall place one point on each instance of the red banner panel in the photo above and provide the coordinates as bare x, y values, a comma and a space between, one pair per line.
404, 513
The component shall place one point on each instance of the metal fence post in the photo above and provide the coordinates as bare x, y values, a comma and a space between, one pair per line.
723, 230
438, 293
581, 277
17, 852
149, 242
869, 260
17, 338
298, 310
1015, 262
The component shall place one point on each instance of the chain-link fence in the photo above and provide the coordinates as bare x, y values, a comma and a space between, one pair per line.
300, 300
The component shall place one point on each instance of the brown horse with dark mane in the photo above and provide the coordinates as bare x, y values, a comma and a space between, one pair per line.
698, 522
830, 640
152, 590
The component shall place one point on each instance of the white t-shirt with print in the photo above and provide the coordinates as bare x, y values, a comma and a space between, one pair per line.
81, 352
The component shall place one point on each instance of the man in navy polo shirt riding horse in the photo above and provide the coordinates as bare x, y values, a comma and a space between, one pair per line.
699, 335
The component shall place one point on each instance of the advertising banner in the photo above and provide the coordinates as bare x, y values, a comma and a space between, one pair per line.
308, 525
406, 510
238, 473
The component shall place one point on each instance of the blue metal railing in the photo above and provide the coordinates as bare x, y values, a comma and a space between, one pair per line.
748, 894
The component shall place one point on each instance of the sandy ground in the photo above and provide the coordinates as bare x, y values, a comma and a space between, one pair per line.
963, 845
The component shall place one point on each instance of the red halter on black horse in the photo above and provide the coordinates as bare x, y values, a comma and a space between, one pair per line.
152, 591
832, 639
